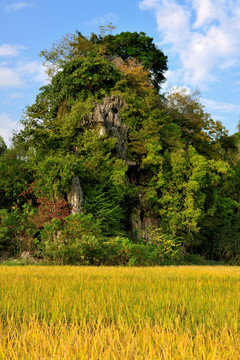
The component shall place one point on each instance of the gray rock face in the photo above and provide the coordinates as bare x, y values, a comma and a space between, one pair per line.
143, 220
75, 196
107, 121
142, 217
27, 256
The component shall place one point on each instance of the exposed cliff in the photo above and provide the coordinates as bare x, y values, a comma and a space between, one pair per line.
107, 121
75, 196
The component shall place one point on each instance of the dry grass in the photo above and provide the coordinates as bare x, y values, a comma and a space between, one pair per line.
119, 313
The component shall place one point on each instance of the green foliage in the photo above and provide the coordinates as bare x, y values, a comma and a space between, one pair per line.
71, 46
3, 146
125, 45
17, 230
116, 251
74, 242
79, 241
83, 77
184, 181
8, 224
53, 174
16, 173
129, 45
197, 127
106, 210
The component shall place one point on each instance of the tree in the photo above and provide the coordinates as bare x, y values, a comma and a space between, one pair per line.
138, 46
125, 45
197, 127
16, 173
3, 146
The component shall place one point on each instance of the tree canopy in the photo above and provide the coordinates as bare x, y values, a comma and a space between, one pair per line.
125, 45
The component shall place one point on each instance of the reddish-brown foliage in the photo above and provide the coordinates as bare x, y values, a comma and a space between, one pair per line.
48, 210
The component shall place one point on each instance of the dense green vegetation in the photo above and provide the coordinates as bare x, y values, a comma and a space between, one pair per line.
159, 178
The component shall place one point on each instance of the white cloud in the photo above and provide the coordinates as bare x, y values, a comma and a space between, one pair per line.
223, 107
102, 20
184, 90
33, 70
12, 97
9, 78
227, 113
203, 33
8, 50
17, 6
7, 125
20, 73
148, 4
205, 12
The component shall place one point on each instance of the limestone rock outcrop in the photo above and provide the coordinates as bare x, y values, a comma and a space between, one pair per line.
75, 196
142, 217
107, 121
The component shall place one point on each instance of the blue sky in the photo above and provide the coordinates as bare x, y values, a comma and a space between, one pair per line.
200, 37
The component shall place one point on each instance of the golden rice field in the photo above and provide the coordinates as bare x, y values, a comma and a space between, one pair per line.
119, 313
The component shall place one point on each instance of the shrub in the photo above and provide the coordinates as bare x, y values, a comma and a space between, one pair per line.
76, 241
8, 230
116, 251
142, 255
166, 247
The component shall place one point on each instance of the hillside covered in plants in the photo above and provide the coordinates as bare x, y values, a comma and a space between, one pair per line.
109, 170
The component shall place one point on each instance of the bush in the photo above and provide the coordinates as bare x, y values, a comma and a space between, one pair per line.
116, 251
76, 241
166, 247
8, 230
142, 255
79, 241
